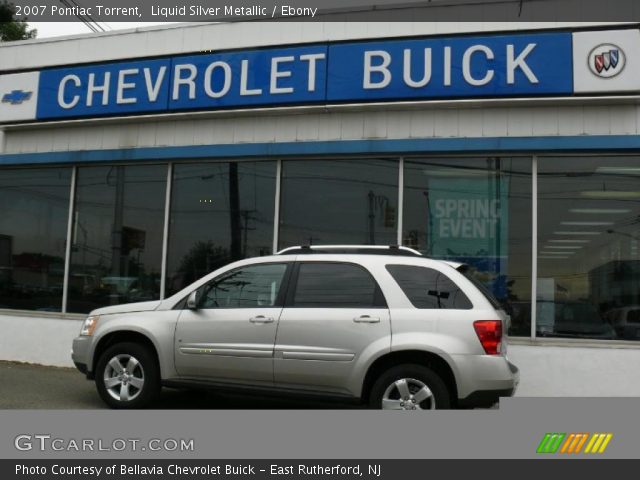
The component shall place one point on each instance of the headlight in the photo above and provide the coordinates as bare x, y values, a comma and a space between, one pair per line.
89, 325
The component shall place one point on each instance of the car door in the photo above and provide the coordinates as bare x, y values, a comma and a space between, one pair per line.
333, 312
231, 334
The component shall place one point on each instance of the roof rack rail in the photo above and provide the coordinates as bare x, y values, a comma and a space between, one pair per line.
351, 249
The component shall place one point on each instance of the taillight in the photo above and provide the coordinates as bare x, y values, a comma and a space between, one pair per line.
490, 334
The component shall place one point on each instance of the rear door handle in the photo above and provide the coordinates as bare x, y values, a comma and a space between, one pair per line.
261, 319
366, 319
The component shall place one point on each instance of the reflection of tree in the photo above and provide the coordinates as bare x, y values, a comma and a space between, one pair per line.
202, 258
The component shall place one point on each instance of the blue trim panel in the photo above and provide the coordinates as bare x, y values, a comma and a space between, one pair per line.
338, 147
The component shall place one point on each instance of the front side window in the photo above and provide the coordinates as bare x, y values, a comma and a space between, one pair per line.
247, 287
335, 285
427, 288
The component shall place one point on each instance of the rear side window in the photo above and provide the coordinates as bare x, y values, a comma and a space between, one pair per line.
427, 288
336, 285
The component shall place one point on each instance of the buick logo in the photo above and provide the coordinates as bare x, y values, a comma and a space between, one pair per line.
606, 60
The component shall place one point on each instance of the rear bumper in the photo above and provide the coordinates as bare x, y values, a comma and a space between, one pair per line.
484, 373
484, 398
487, 398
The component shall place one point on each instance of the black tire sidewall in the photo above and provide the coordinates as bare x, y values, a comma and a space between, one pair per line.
419, 372
149, 365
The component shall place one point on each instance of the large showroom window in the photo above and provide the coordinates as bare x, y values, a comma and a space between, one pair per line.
116, 245
475, 211
220, 212
33, 230
589, 247
339, 202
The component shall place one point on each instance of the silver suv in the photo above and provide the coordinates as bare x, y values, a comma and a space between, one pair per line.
382, 325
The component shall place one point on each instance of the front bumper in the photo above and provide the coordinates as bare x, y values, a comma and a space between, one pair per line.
80, 354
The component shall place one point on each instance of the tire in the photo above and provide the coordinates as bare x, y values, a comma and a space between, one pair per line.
430, 391
134, 383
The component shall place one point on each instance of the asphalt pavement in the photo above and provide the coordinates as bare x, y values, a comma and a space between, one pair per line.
27, 386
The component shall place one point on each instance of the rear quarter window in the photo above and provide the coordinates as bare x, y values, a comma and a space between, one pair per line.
427, 288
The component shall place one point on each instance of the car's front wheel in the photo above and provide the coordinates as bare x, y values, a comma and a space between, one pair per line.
127, 376
409, 387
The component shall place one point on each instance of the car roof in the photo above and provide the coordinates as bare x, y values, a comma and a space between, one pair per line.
395, 250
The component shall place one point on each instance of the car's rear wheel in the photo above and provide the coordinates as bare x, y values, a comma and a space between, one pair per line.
409, 387
127, 376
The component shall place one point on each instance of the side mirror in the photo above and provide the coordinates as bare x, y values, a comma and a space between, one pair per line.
194, 300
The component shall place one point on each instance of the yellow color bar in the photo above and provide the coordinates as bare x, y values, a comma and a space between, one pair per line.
598, 442
606, 441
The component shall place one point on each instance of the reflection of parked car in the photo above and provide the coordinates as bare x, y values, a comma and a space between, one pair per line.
625, 321
119, 285
577, 319
310, 320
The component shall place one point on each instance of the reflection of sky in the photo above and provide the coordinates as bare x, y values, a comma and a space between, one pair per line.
34, 209
193, 220
143, 209
328, 200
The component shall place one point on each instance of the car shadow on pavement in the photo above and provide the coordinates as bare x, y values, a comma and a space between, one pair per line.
38, 387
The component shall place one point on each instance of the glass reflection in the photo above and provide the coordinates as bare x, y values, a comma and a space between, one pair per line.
220, 212
339, 202
116, 247
588, 247
475, 211
33, 230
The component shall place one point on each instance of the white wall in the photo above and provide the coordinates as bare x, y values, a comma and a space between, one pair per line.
546, 371
44, 340
550, 371
370, 123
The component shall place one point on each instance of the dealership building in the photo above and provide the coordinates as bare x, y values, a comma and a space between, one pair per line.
132, 163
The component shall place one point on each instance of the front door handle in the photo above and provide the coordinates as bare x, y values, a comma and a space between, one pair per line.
261, 319
366, 319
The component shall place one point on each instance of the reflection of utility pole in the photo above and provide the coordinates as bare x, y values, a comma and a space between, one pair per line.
429, 246
116, 232
380, 201
234, 212
246, 216
85, 234
372, 218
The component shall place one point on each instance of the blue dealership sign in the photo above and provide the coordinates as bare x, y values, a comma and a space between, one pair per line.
491, 66
262, 77
428, 68
108, 89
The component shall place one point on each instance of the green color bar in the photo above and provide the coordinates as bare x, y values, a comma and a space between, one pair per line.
543, 443
551, 442
556, 445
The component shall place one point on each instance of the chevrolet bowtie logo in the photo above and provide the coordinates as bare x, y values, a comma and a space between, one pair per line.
16, 97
